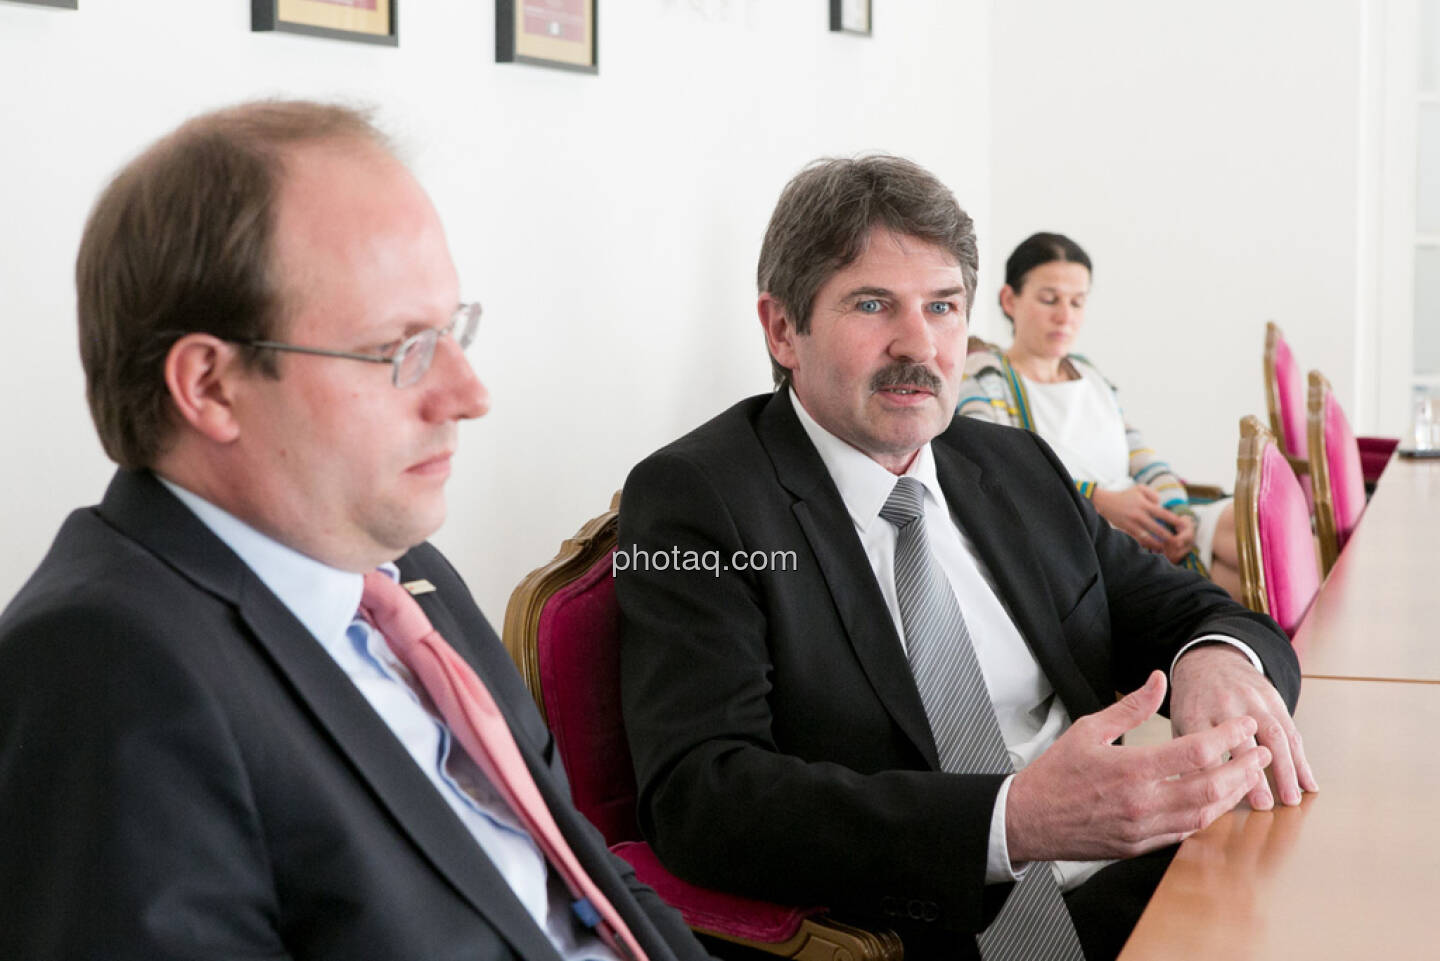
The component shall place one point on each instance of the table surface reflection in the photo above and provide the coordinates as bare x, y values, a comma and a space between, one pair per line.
1378, 614
1353, 872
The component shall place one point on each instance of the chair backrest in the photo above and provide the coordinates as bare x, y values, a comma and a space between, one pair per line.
1335, 471
1278, 568
1284, 393
562, 629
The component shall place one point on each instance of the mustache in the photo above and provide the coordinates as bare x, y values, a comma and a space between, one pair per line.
915, 375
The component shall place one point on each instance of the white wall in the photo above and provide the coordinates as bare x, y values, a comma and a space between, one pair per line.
609, 224
1211, 158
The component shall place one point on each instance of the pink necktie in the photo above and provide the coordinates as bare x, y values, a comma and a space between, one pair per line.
472, 716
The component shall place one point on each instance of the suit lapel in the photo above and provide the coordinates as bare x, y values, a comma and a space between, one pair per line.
140, 507
822, 516
990, 519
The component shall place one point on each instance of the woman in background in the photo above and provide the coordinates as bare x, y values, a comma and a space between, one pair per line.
1038, 384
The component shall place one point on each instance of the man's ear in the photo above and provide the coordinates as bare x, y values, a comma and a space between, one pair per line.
199, 370
780, 331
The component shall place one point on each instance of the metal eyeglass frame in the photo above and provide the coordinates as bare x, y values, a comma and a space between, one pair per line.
463, 324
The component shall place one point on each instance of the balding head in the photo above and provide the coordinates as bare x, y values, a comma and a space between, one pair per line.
181, 241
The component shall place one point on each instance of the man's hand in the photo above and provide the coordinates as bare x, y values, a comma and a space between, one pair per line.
1215, 683
1137, 511
1087, 797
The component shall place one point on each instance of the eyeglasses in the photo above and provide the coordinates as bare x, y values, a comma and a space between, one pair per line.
412, 358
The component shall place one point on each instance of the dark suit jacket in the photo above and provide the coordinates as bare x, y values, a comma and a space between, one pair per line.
780, 745
186, 773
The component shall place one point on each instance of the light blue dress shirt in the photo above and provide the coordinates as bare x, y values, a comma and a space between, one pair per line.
326, 601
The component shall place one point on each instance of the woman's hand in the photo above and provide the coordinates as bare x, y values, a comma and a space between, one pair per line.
1180, 543
1137, 511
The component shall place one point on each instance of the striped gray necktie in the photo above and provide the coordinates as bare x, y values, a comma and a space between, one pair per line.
1034, 923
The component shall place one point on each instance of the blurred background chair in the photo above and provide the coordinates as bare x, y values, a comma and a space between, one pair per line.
1286, 402
1278, 567
562, 628
1335, 472
1285, 399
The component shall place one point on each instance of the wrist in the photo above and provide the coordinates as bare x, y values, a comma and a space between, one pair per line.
1204, 652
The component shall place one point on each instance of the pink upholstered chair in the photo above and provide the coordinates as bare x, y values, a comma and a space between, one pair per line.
1335, 470
562, 630
1285, 399
1279, 572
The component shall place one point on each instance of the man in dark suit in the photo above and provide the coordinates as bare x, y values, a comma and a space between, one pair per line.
789, 737
204, 752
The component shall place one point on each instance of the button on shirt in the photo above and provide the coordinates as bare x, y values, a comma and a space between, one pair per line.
1030, 715
326, 600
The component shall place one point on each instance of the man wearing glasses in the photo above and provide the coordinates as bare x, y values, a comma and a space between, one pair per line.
217, 738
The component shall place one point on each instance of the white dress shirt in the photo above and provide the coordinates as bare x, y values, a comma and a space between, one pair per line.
326, 600
1030, 715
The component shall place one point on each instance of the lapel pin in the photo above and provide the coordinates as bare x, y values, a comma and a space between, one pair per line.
422, 586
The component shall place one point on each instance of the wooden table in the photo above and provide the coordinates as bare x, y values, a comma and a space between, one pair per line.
1378, 614
1353, 872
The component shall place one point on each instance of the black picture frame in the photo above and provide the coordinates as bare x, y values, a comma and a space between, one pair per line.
578, 55
281, 16
62, 4
846, 21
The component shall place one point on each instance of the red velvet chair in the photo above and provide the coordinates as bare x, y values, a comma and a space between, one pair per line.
1335, 471
562, 630
1285, 399
1279, 571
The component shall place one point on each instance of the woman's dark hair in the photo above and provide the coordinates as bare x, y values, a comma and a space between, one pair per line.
1038, 250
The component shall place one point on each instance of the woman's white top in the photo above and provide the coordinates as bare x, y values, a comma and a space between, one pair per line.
1081, 421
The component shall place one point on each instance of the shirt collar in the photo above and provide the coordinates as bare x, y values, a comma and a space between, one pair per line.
863, 484
323, 598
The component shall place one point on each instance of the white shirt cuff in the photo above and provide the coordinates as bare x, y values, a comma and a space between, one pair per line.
997, 862
1224, 639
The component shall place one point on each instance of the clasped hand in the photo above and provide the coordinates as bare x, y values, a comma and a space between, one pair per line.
1087, 797
1138, 512
1216, 681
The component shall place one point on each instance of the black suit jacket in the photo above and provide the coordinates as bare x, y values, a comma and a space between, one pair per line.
186, 773
780, 744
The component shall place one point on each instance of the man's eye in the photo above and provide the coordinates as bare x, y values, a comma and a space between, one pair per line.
941, 307
871, 306
1049, 301
386, 349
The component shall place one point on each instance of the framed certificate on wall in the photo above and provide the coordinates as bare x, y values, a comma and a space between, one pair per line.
369, 21
549, 33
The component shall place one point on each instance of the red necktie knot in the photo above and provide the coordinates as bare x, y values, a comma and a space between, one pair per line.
394, 613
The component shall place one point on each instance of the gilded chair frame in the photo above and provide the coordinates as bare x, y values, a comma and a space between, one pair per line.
1327, 531
577, 555
820, 937
1254, 438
